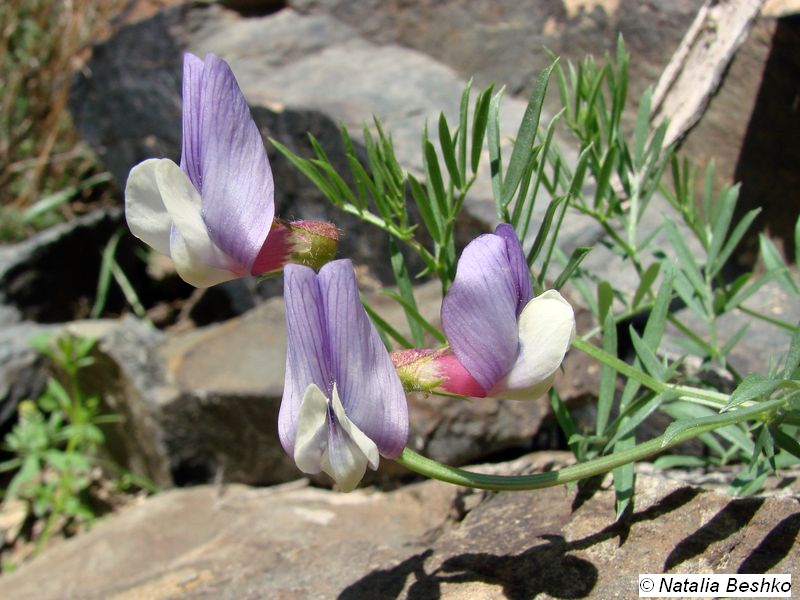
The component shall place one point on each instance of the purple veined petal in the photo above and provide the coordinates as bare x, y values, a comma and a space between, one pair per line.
546, 331
479, 311
191, 148
367, 382
145, 212
197, 259
518, 264
237, 186
308, 353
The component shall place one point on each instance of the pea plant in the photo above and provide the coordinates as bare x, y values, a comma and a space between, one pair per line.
617, 174
57, 446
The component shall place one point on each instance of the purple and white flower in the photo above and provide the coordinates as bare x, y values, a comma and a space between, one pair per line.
503, 341
343, 404
214, 215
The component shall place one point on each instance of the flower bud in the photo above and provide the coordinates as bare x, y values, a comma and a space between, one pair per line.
313, 243
435, 372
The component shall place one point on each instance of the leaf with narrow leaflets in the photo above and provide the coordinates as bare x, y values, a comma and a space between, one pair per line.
565, 422
733, 240
680, 461
415, 317
575, 260
384, 328
448, 151
624, 479
678, 428
774, 262
648, 277
785, 442
793, 358
495, 154
608, 374
720, 226
604, 176
656, 322
687, 261
310, 171
431, 218
647, 355
403, 280
797, 242
434, 177
526, 134
463, 111
750, 480
480, 120
544, 229
753, 387
605, 298
765, 446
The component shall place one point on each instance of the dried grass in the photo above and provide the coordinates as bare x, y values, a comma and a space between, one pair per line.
44, 43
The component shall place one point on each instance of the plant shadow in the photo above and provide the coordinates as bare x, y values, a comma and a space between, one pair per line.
547, 567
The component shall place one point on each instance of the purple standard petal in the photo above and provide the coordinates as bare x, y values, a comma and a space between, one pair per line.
191, 149
237, 187
479, 311
518, 264
308, 354
368, 385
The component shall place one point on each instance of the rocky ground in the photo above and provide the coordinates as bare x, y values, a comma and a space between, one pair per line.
213, 371
424, 540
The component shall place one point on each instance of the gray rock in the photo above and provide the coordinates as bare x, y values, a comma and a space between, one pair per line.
128, 375
553, 543
426, 540
763, 344
504, 41
22, 374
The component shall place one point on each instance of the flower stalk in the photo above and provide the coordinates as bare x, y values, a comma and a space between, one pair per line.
590, 468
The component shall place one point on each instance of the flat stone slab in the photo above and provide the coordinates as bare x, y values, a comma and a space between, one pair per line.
426, 540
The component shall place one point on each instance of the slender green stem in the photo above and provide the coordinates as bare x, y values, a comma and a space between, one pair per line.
772, 320
620, 365
716, 399
619, 317
590, 468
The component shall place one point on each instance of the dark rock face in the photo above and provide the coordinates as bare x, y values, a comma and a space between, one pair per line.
22, 375
767, 163
112, 102
52, 276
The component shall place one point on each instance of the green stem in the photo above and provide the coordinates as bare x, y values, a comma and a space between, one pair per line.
772, 320
619, 317
62, 491
597, 466
717, 399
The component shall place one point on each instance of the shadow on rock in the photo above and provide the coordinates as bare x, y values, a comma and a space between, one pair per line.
725, 523
545, 568
773, 548
387, 583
